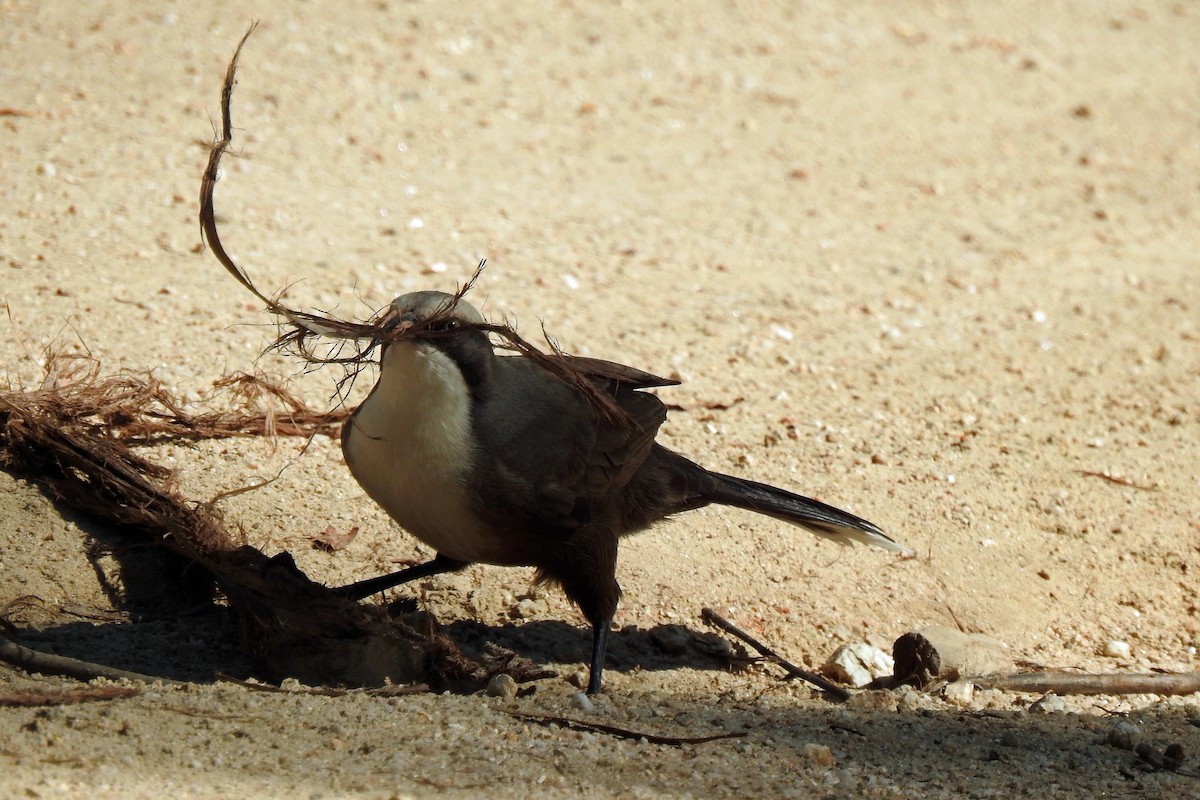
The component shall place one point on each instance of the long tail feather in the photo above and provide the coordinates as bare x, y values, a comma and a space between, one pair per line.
823, 520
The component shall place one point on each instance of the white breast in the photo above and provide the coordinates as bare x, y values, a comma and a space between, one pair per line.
410, 445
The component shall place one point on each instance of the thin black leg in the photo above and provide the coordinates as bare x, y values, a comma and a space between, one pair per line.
599, 648
361, 589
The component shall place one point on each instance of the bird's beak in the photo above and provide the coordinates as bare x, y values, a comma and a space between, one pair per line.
395, 322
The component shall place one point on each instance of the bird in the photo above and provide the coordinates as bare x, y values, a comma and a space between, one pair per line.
491, 458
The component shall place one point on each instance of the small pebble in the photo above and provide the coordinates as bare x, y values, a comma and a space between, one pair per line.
1124, 735
639, 712
909, 700
819, 754
1049, 703
502, 685
1115, 648
960, 693
581, 702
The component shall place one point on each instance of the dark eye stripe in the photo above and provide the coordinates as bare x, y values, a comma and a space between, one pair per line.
443, 325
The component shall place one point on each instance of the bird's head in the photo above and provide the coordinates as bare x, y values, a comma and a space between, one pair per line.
432, 321
435, 313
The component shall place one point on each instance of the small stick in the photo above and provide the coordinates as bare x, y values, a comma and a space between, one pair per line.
48, 664
716, 620
1118, 481
623, 733
1075, 683
66, 698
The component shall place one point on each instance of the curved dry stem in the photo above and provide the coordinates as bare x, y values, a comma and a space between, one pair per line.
319, 339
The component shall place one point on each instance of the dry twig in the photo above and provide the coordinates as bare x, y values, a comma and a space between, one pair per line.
716, 620
1117, 480
613, 730
1089, 684
69, 697
304, 331
51, 664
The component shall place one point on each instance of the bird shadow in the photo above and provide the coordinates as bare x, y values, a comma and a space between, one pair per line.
630, 649
194, 647
159, 618
204, 641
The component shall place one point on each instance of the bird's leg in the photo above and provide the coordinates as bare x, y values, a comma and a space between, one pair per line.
600, 630
370, 586
586, 568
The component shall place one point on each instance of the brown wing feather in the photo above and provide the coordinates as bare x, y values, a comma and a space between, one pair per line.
613, 372
552, 461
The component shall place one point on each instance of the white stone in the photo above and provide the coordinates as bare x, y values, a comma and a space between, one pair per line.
858, 663
502, 685
960, 693
1116, 648
1049, 703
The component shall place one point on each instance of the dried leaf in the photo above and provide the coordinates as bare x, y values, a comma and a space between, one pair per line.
331, 540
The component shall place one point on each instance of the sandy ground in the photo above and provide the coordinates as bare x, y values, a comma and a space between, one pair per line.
939, 263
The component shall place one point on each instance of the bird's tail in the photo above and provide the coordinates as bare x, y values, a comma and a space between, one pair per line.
821, 519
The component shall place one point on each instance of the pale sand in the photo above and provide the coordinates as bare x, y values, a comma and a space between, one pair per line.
952, 247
